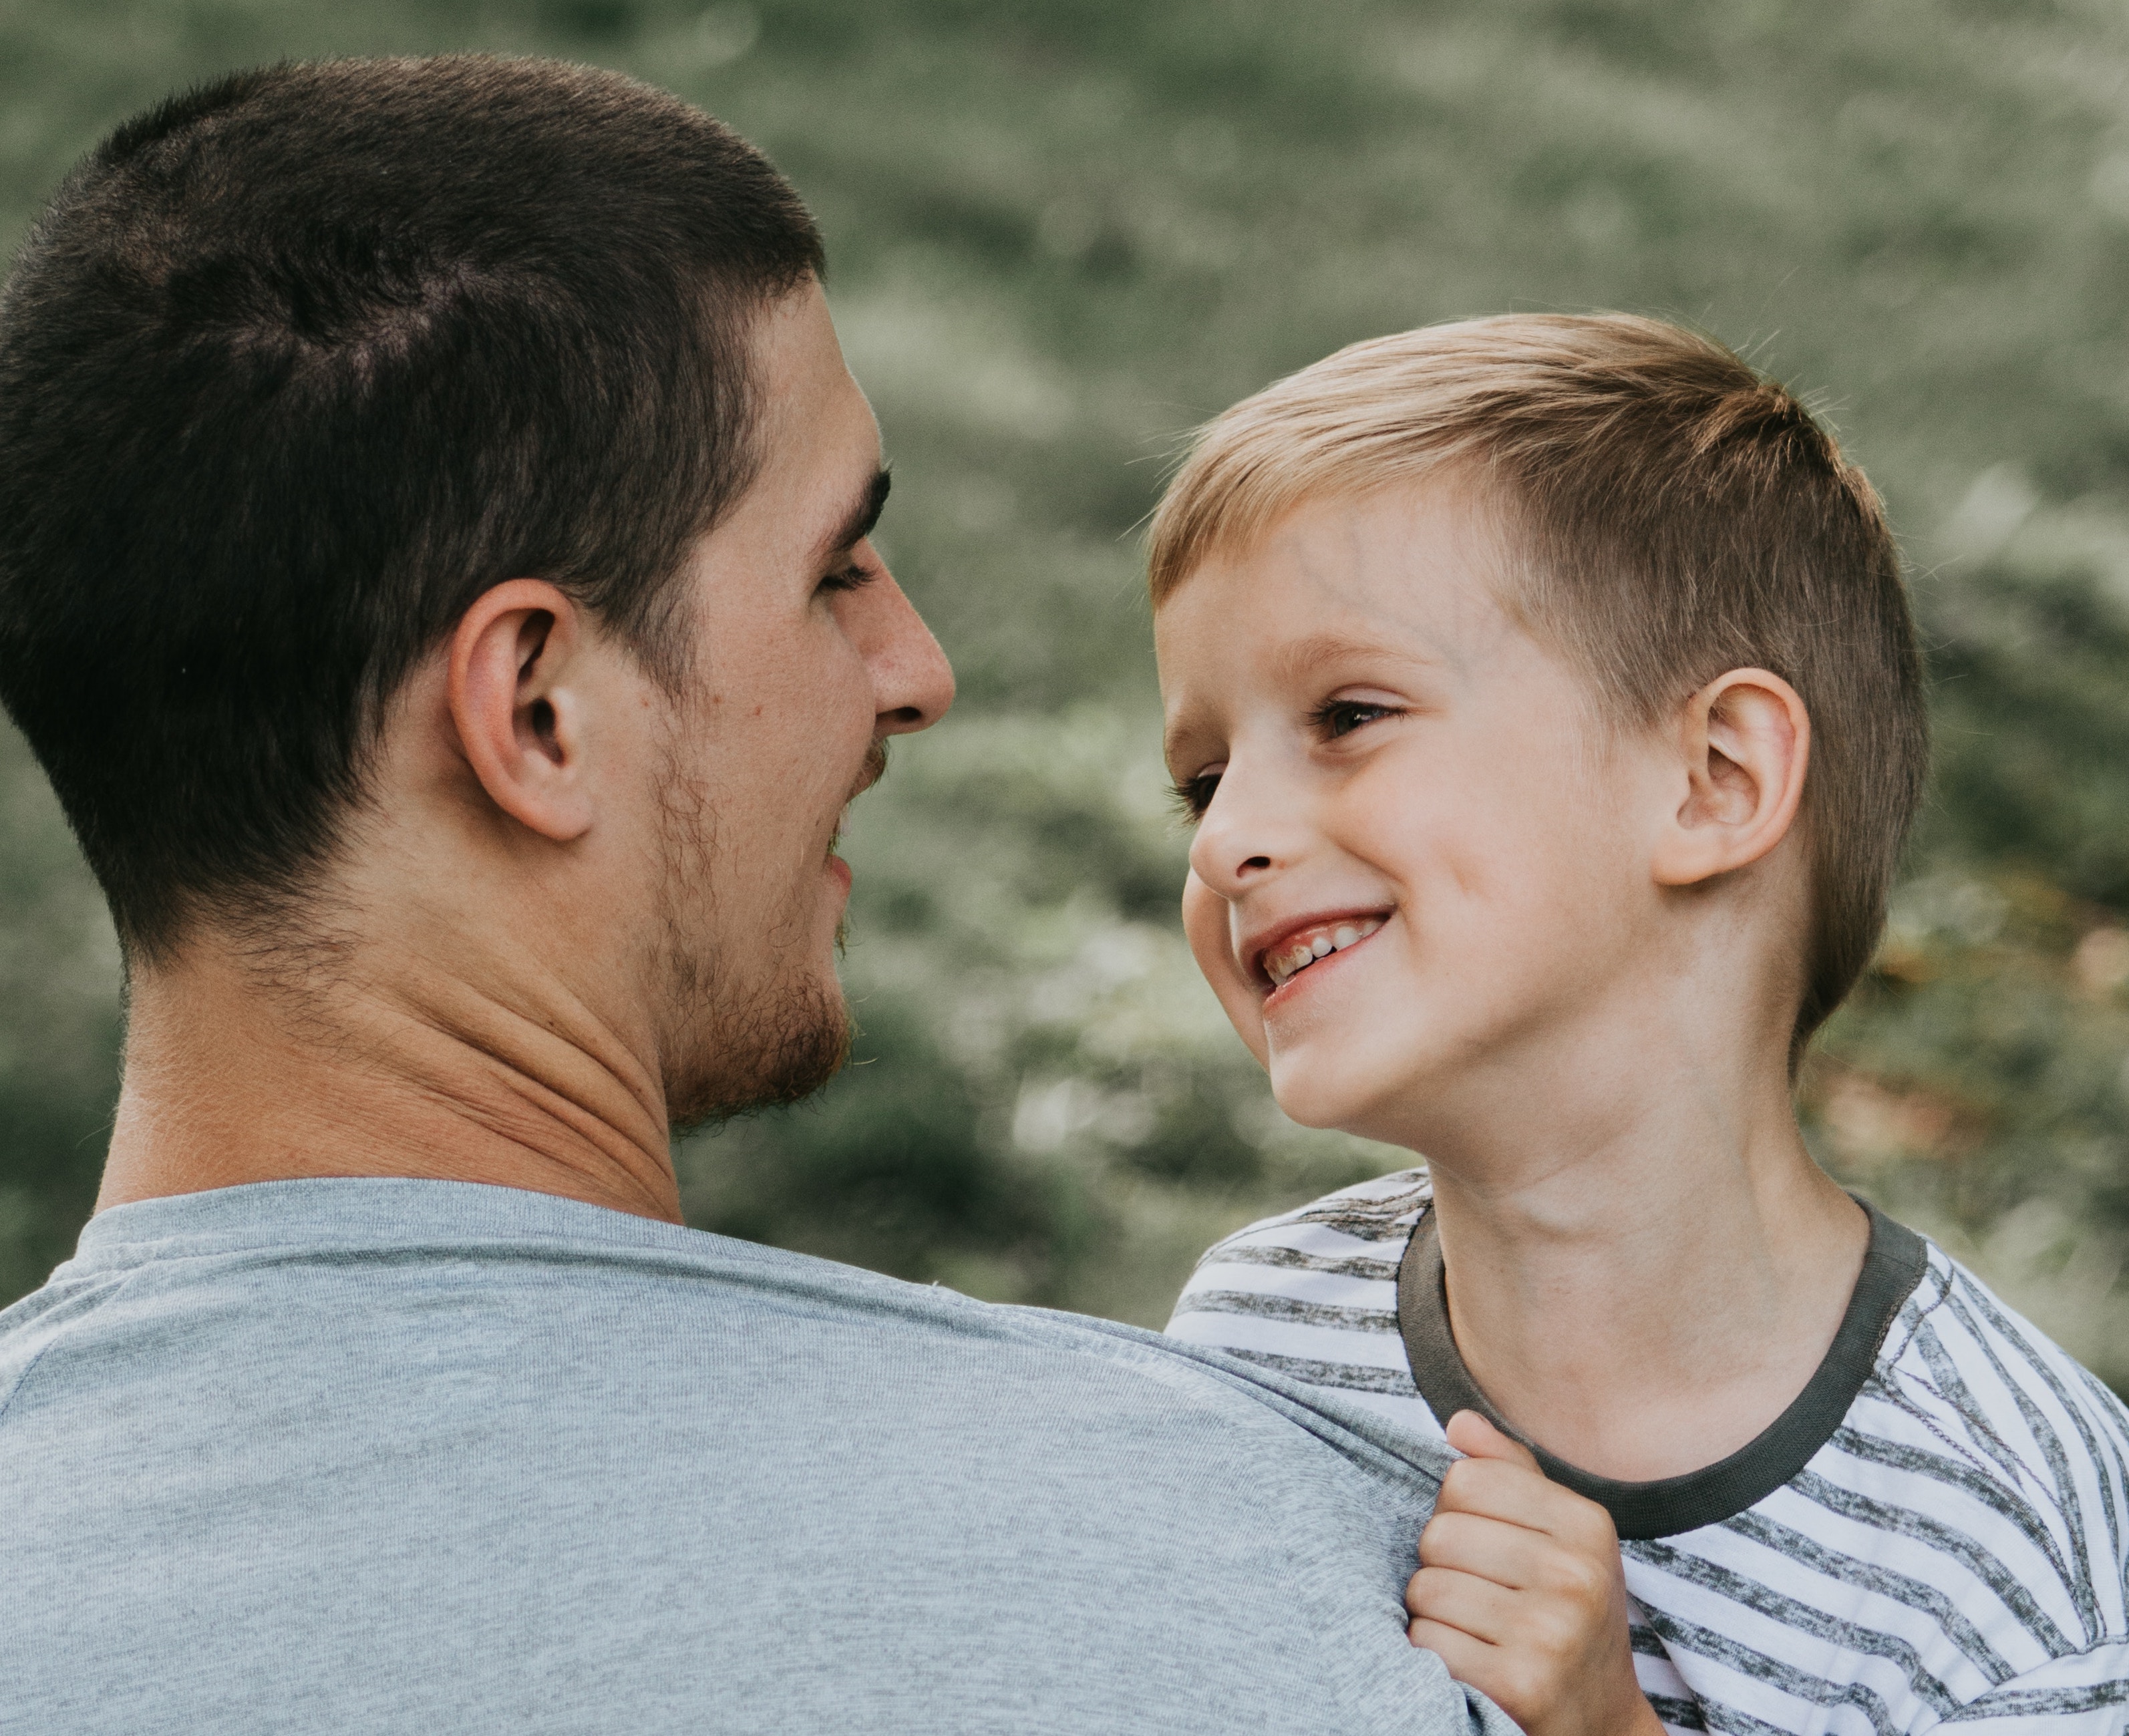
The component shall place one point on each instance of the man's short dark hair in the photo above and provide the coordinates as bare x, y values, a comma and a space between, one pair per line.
293, 368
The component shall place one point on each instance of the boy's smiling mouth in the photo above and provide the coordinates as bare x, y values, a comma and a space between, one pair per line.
1293, 950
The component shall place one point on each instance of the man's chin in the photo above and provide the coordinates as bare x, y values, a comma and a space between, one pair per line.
785, 1055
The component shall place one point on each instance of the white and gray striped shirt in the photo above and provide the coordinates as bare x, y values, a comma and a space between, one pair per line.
1936, 1532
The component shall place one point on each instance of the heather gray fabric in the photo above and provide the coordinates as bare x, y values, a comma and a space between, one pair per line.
358, 1456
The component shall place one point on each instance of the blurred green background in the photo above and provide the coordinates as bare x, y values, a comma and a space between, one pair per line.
1061, 233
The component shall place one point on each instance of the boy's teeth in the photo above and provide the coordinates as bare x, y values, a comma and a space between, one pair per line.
1302, 953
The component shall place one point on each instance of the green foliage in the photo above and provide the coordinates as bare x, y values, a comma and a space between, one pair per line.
59, 1028
1059, 235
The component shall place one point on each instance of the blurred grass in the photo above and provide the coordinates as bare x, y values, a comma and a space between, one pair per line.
1061, 233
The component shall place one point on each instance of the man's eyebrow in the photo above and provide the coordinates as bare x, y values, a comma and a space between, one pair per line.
857, 524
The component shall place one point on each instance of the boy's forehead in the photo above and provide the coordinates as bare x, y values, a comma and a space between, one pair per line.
1413, 573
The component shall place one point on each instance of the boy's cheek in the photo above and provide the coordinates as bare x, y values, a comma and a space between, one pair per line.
1206, 923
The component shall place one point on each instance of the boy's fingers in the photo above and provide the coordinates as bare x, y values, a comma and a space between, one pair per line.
1581, 1581
1494, 1671
1509, 1555
1466, 1657
1476, 1438
1497, 1488
1466, 1602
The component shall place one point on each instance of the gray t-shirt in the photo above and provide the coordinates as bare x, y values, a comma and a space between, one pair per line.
426, 1457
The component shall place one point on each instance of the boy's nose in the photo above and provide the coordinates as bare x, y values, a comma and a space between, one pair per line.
1246, 834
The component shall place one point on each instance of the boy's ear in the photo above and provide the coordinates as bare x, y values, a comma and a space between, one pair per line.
1745, 739
517, 708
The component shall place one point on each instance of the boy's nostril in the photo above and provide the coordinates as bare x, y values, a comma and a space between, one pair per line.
1258, 861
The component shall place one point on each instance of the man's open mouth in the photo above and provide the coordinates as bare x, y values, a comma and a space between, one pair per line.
874, 769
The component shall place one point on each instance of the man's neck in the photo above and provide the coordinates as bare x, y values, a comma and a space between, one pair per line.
416, 1066
1644, 1270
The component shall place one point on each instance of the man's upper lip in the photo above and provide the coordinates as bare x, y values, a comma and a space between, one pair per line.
1260, 943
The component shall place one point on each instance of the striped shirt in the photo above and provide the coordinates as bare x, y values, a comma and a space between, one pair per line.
1947, 1543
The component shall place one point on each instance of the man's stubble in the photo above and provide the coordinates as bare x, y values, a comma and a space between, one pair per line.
746, 1029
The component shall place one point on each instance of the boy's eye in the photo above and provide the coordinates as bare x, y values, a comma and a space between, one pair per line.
1192, 796
1342, 716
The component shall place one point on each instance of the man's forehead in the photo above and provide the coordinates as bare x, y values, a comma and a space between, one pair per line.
802, 383
819, 444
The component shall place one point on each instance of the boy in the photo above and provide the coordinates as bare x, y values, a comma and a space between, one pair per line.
1545, 694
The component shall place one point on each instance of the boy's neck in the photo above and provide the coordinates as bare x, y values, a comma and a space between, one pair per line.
1642, 1287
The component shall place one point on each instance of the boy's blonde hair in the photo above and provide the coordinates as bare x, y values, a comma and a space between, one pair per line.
1672, 515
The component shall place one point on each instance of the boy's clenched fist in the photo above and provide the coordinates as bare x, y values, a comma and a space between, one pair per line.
1521, 1593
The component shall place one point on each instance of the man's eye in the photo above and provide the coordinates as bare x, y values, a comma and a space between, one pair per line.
853, 577
1342, 716
1192, 796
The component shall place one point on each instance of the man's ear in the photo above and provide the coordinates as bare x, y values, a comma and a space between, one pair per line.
520, 720
1746, 742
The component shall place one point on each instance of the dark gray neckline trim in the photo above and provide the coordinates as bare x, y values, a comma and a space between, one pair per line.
1892, 1269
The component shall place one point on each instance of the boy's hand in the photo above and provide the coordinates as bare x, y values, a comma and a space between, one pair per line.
1520, 1592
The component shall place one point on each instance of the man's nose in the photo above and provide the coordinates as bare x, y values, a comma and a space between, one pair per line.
912, 683
1253, 827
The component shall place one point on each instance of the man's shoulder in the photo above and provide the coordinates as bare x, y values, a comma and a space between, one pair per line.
389, 1264
447, 1304
33, 1327
529, 1433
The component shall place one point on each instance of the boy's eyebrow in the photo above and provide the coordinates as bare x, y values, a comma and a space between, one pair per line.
1301, 656
1176, 734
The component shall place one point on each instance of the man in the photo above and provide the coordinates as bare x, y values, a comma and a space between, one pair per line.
434, 573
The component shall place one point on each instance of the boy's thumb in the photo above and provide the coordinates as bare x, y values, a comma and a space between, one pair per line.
1476, 1438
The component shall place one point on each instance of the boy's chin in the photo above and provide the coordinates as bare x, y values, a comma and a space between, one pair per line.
1336, 1095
